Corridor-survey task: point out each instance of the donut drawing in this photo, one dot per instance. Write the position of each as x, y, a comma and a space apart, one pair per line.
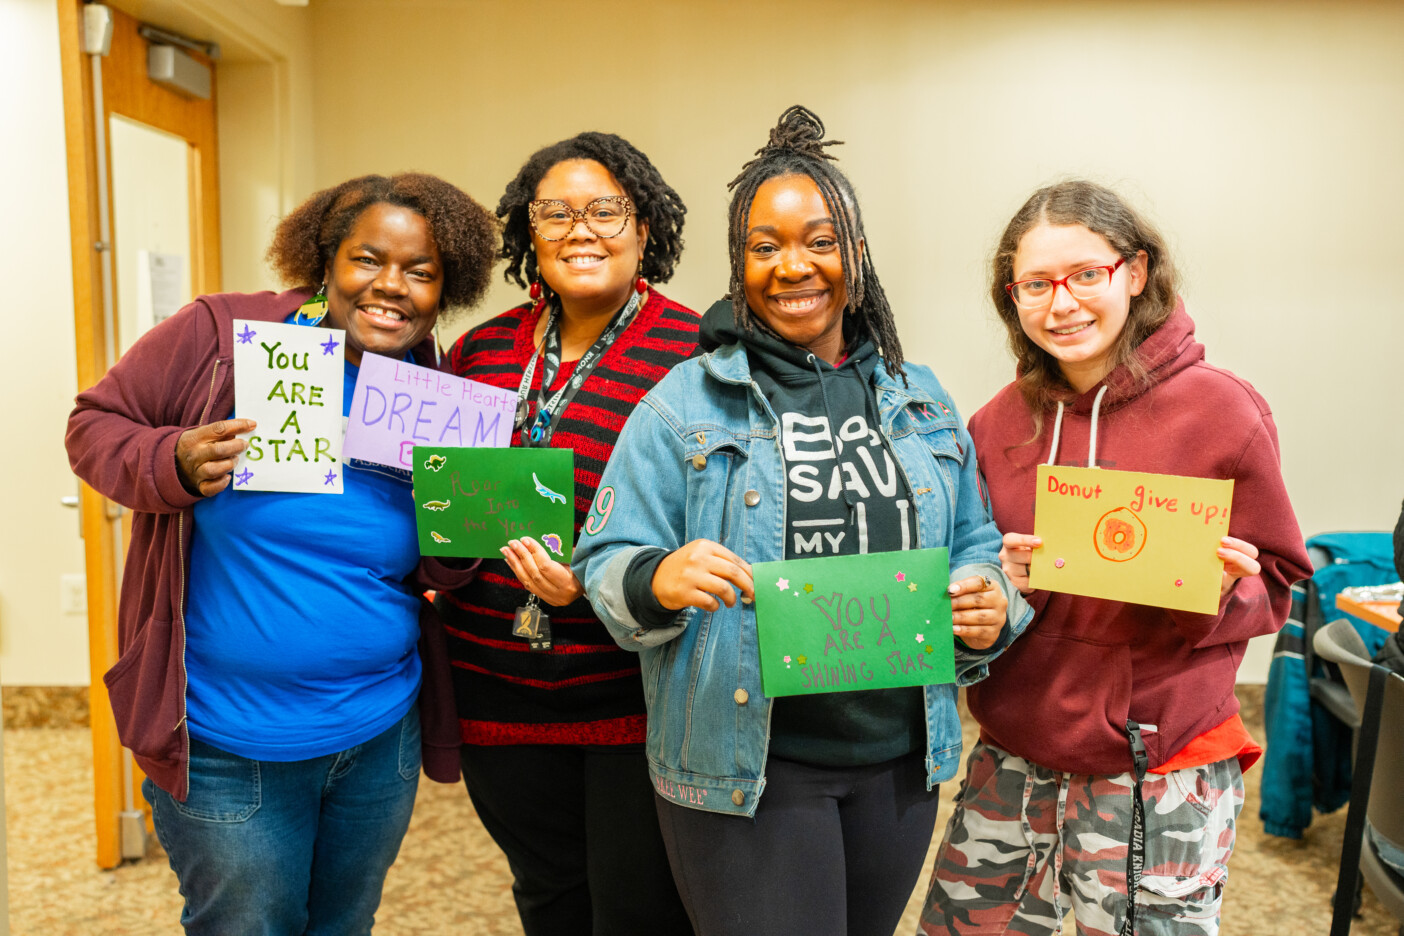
1119, 535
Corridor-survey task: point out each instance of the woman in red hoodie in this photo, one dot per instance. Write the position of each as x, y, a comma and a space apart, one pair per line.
1111, 749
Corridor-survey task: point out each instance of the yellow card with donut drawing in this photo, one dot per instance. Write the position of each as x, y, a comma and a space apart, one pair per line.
1151, 539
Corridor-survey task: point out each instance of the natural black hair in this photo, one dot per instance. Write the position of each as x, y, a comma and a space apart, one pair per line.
797, 147
655, 203
306, 241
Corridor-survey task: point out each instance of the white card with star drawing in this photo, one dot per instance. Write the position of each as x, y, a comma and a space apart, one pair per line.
288, 379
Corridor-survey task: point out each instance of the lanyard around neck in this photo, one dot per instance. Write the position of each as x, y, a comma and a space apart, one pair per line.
538, 433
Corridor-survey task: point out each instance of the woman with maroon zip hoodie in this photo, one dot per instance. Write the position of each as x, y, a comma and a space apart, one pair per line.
1111, 749
269, 683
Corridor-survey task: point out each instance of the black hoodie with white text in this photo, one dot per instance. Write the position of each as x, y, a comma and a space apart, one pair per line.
845, 495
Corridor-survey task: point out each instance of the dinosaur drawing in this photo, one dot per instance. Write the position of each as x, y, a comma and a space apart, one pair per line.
546, 492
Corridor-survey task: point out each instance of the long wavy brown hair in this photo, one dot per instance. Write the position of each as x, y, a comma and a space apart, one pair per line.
1102, 211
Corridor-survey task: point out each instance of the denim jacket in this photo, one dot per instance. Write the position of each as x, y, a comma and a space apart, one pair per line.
700, 458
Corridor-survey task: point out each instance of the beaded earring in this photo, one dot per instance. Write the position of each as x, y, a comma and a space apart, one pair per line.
537, 302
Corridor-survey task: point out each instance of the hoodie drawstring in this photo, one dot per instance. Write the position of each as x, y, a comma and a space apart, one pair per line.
1057, 434
1091, 436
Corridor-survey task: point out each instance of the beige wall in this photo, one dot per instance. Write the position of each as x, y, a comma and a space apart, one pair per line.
266, 142
38, 538
1264, 137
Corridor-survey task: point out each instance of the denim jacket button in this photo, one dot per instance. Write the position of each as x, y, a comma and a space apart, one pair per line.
752, 498
741, 696
699, 461
738, 797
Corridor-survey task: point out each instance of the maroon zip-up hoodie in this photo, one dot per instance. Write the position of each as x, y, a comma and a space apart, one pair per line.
1061, 694
121, 440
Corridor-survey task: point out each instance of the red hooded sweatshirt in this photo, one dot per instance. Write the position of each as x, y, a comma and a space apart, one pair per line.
1061, 694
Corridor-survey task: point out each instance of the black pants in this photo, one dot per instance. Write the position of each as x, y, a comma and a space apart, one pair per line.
830, 851
579, 830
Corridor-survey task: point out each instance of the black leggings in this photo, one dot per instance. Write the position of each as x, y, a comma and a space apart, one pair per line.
579, 830
830, 851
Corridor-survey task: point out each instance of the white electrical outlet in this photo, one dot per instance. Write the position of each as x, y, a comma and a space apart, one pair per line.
73, 593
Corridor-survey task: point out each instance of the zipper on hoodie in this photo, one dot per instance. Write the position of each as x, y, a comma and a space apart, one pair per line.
180, 543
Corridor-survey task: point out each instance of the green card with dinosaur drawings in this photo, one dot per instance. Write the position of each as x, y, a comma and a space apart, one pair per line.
470, 501
876, 621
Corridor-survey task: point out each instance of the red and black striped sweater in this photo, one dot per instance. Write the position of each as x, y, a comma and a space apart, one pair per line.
585, 689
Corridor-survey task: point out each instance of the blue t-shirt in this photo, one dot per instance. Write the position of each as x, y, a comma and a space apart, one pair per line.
300, 636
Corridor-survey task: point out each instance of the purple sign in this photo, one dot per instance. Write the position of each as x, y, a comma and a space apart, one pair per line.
399, 405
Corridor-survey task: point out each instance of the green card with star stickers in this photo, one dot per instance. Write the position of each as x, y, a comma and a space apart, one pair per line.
840, 623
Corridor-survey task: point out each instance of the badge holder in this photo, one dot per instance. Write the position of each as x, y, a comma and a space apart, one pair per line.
533, 624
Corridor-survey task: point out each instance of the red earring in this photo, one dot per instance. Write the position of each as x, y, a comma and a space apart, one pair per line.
641, 285
535, 292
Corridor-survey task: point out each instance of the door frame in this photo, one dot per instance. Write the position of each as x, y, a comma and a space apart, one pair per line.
105, 526
97, 514
279, 38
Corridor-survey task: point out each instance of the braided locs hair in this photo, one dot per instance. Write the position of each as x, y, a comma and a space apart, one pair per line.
797, 147
654, 201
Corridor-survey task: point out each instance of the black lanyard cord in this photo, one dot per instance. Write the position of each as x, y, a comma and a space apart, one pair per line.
538, 433
1136, 848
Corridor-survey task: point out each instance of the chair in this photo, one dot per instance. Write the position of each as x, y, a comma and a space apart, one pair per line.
1309, 713
1324, 688
1378, 696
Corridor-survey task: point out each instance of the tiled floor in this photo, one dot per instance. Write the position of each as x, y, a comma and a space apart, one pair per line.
450, 878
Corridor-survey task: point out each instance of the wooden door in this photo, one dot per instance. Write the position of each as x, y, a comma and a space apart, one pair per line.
141, 110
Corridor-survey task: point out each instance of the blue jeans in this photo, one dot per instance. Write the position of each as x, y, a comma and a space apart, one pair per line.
269, 848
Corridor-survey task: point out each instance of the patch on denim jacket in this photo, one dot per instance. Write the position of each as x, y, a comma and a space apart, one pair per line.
680, 792
600, 510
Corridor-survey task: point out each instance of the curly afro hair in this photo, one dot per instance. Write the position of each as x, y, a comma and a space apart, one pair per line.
306, 241
655, 203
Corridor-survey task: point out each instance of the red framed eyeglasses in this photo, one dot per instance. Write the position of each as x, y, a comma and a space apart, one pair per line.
1088, 283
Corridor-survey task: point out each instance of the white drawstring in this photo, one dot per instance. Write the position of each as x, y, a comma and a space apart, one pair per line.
1091, 437
1057, 431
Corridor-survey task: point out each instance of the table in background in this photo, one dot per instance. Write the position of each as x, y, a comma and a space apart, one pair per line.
1379, 613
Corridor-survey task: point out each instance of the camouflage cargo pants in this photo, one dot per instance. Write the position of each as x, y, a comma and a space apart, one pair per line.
1026, 844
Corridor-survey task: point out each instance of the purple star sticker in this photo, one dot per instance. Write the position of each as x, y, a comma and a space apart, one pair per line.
330, 478
247, 335
242, 477
329, 346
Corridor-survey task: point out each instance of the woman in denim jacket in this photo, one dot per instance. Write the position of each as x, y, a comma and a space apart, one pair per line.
792, 436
